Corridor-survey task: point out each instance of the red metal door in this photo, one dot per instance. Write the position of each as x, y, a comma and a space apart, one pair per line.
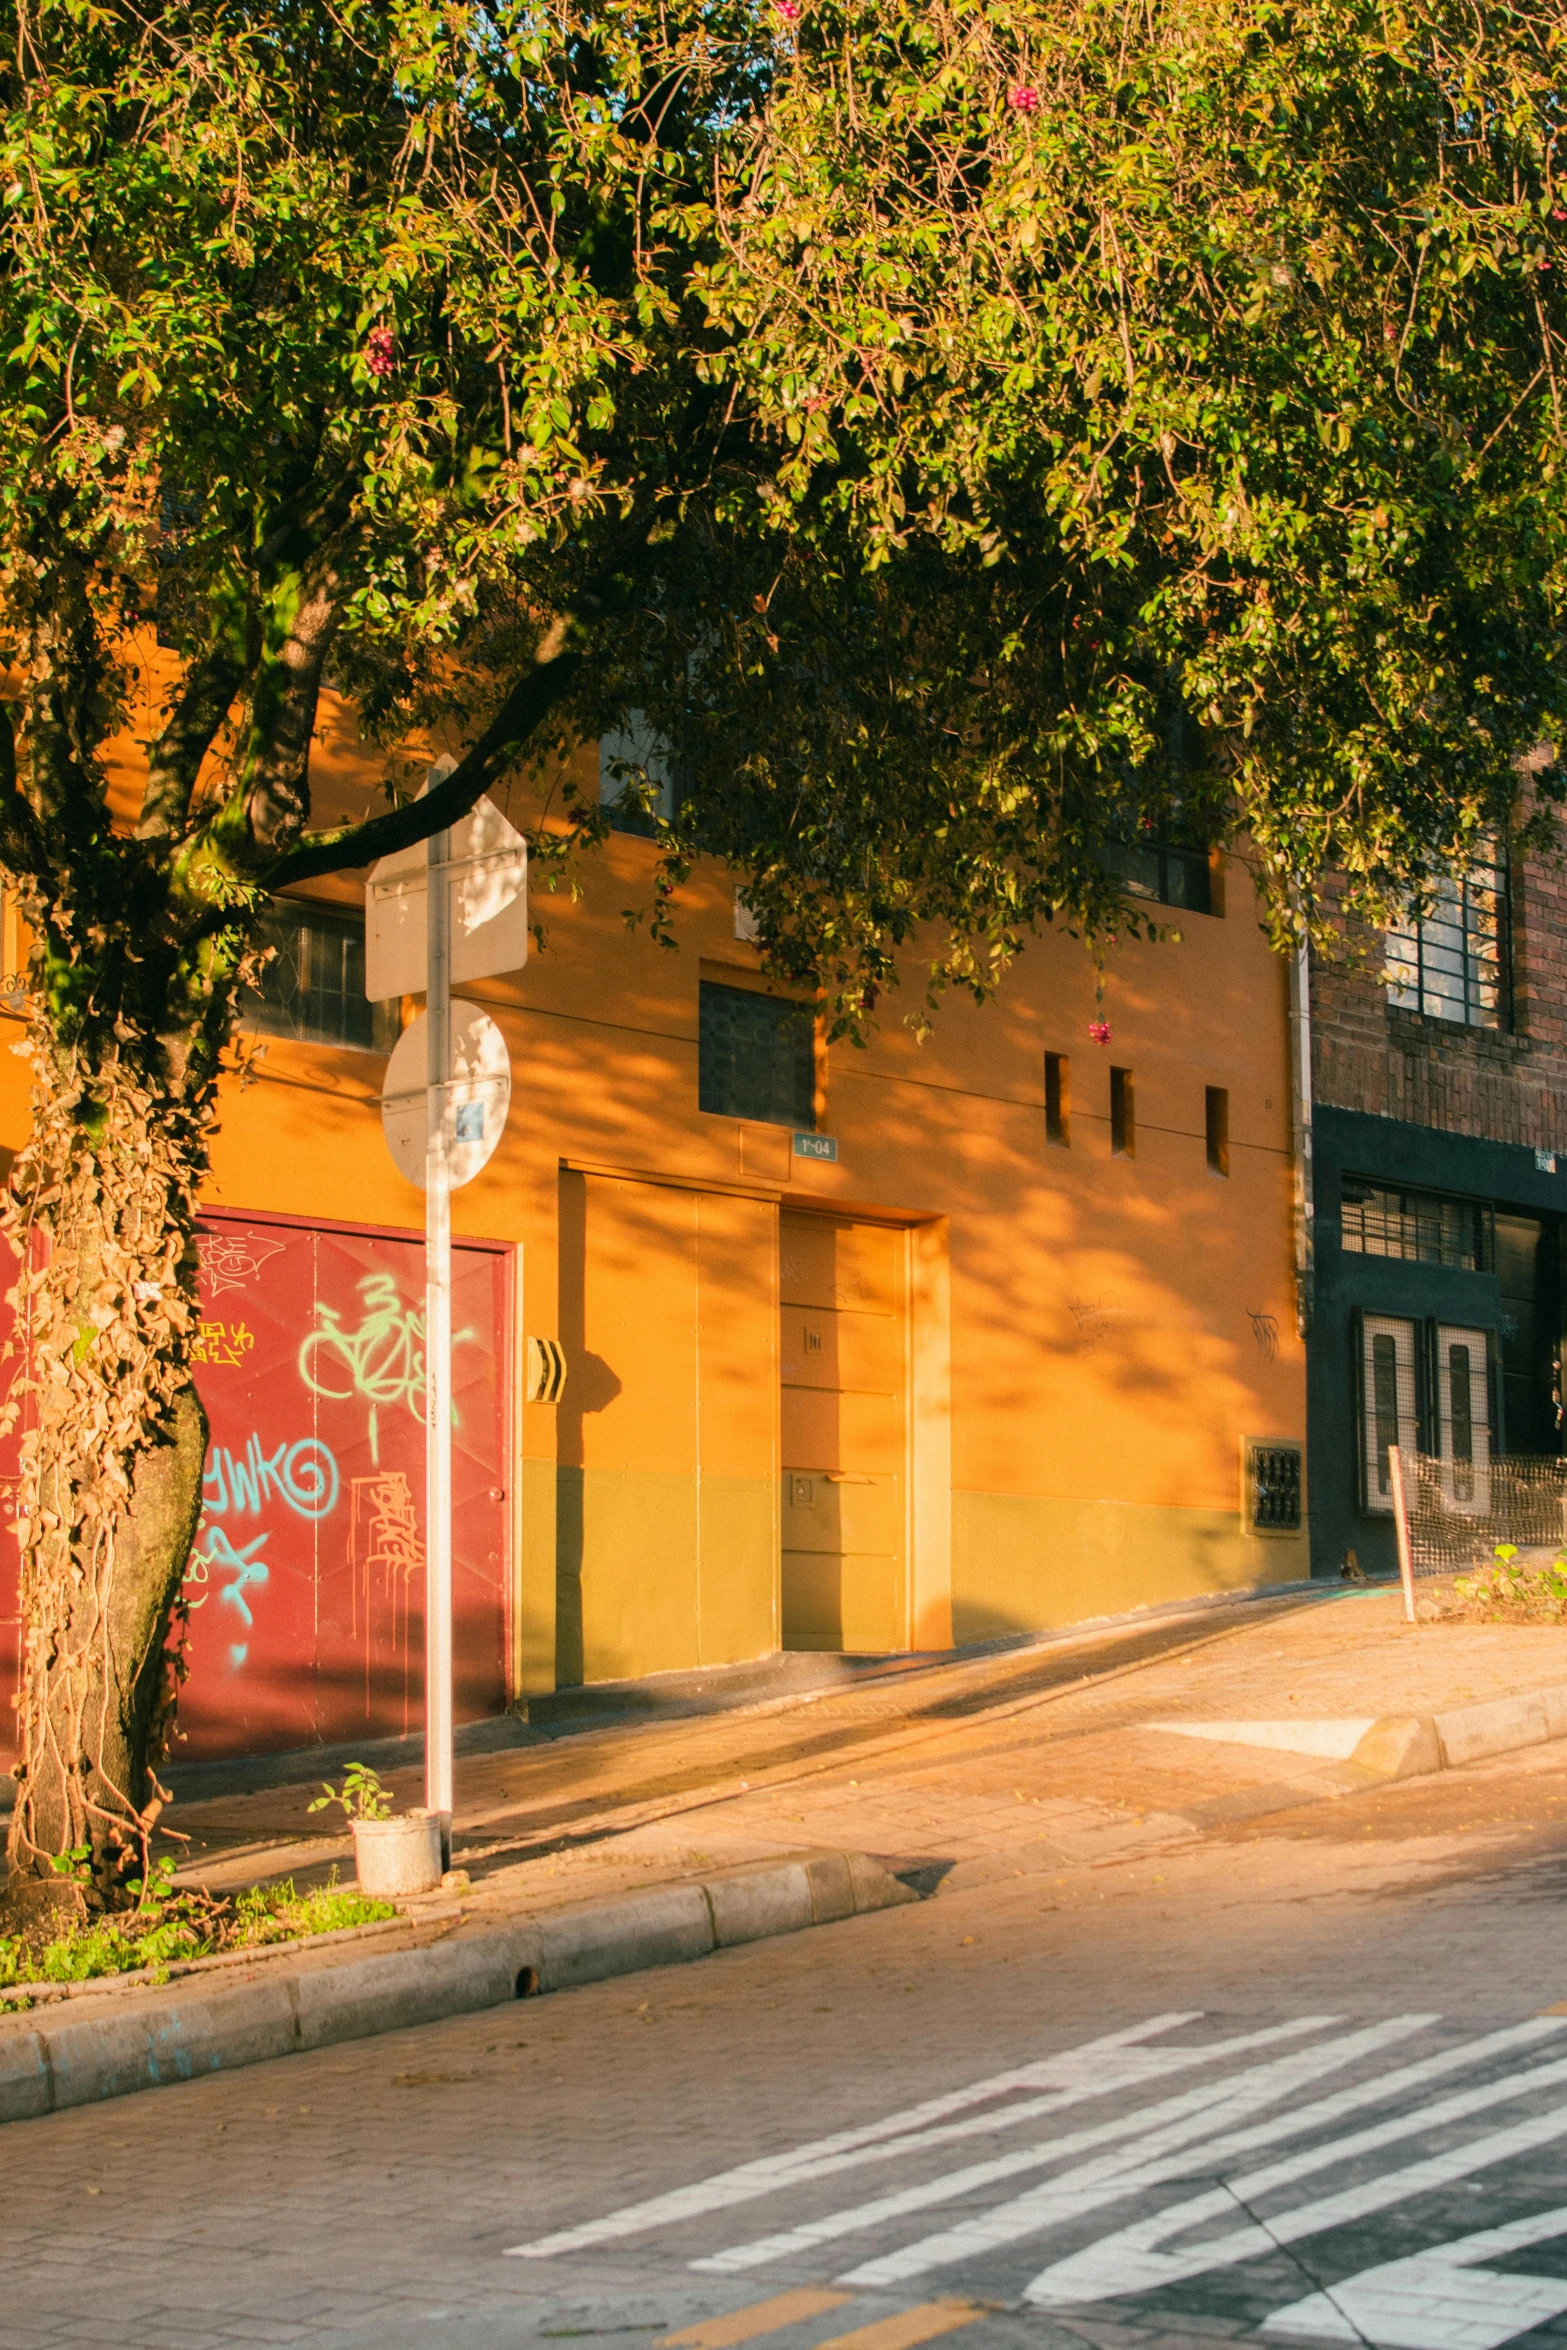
306, 1581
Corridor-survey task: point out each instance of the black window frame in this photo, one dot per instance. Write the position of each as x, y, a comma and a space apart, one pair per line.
636, 747
280, 1007
730, 1081
1429, 1224
1164, 871
1432, 951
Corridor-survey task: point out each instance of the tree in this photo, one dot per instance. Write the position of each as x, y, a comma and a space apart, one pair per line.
969, 438
1223, 351
351, 332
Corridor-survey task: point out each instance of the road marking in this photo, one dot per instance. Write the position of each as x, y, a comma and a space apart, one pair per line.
1090, 2070
1195, 2110
901, 2332
1130, 2261
1114, 2177
1437, 2300
762, 2317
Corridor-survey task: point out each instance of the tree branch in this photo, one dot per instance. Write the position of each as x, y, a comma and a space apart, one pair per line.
177, 754
498, 749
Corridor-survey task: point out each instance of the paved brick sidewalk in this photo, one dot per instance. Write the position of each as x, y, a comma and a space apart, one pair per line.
1041, 1759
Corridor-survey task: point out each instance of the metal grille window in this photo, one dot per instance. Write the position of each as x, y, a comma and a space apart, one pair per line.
314, 987
1453, 963
1273, 1488
1165, 871
1421, 1226
756, 1057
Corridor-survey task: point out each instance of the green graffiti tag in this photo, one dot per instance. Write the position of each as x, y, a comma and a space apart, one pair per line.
381, 1361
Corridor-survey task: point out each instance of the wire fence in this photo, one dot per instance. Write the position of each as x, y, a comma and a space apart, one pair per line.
1454, 1514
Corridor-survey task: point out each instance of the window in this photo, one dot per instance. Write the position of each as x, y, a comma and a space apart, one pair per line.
1421, 1226
756, 1057
1163, 870
1453, 963
1058, 1099
1463, 1415
1425, 1386
1123, 1114
1389, 1404
1216, 1111
625, 760
314, 986
1273, 1488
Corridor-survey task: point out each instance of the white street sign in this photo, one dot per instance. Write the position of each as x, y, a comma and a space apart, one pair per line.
487, 892
478, 1094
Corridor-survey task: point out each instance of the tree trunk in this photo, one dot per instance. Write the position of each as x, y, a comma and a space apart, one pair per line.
102, 1215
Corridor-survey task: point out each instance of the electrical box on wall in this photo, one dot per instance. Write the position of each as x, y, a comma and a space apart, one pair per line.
1273, 1485
546, 1370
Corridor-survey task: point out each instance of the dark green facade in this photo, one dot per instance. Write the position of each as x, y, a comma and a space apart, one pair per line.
1516, 1300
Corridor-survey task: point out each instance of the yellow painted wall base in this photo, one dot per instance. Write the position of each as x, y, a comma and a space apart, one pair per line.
533, 1628
1025, 1563
663, 1573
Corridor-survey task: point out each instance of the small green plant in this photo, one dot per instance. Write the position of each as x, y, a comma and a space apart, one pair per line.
1509, 1591
361, 1795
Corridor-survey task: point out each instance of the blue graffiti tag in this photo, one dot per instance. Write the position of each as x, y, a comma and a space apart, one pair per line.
222, 1557
304, 1475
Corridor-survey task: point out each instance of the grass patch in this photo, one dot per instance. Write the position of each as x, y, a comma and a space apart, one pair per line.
172, 1927
276, 1913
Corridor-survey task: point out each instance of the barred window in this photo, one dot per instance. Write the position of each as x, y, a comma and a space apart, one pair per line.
1453, 963
1421, 1226
756, 1057
314, 987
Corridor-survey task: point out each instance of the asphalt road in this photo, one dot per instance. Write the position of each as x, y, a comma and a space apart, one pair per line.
1297, 2083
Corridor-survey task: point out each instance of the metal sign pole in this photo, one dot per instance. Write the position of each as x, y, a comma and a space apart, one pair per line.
438, 1352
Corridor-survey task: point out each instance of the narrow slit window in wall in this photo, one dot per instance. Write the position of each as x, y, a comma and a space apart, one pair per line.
1058, 1099
1123, 1114
1217, 1115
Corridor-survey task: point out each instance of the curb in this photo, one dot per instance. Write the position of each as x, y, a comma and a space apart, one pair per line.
52, 2062
1402, 1746
1469, 1733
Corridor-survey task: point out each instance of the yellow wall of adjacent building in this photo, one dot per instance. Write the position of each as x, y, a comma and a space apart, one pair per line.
1091, 1337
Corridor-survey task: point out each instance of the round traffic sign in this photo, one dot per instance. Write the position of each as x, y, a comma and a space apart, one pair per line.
478, 1096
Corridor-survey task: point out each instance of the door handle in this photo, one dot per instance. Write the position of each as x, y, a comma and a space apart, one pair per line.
841, 1477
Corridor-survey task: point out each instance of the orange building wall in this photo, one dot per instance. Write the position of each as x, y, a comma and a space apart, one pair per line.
1093, 1337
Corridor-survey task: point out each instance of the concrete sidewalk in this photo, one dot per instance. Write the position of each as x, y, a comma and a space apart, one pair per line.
581, 1857
1054, 1755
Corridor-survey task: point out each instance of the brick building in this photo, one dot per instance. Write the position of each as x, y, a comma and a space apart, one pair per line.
1433, 1257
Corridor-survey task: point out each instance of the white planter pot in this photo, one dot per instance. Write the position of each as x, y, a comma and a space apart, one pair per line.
393, 1858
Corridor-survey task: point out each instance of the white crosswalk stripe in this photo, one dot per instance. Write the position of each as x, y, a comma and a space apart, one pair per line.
1262, 2092
1183, 2117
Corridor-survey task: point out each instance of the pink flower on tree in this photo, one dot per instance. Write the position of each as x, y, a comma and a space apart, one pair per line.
1099, 1030
380, 349
1023, 98
789, 10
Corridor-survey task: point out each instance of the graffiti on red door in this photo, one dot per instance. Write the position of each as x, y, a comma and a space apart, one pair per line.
305, 1586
